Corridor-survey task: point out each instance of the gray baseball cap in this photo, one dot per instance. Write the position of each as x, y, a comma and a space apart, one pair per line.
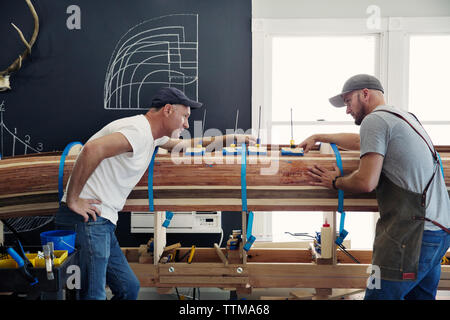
358, 82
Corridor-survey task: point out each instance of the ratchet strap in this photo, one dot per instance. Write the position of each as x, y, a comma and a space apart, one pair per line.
151, 203
342, 232
62, 160
250, 237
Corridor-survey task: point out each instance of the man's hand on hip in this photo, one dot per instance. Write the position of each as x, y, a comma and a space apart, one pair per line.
85, 208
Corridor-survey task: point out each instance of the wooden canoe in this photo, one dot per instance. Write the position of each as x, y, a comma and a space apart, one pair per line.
29, 185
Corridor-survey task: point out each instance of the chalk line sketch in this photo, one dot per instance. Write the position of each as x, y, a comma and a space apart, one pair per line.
159, 52
12, 145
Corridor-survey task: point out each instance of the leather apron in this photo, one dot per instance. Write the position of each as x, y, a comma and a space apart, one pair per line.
398, 234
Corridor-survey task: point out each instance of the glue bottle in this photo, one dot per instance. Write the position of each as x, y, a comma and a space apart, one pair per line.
326, 241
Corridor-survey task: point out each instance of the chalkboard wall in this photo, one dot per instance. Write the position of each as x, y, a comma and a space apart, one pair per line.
97, 61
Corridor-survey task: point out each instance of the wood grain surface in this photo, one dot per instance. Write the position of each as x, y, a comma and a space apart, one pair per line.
29, 185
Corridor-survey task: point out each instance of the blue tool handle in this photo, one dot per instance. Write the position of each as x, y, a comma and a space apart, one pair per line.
15, 256
20, 262
31, 280
22, 254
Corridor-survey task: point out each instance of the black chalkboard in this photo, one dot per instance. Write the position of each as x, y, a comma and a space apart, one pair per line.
59, 94
97, 61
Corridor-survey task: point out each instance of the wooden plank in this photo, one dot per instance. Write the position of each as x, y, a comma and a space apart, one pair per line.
274, 255
220, 254
29, 185
201, 269
301, 295
444, 285
201, 280
263, 275
279, 255
146, 273
242, 252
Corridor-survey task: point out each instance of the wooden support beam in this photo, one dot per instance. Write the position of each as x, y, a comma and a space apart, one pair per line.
159, 235
261, 274
220, 254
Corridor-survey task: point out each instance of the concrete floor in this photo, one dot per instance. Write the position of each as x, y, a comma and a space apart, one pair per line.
257, 294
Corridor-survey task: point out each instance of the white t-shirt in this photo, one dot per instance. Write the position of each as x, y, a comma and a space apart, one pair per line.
115, 177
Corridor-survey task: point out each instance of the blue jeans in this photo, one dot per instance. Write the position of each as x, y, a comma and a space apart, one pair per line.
101, 259
434, 246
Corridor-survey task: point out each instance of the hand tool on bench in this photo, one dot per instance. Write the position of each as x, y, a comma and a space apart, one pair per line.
292, 150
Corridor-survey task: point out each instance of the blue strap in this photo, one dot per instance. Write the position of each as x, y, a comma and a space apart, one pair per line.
249, 224
339, 164
62, 160
243, 180
151, 204
150, 182
250, 237
442, 167
342, 232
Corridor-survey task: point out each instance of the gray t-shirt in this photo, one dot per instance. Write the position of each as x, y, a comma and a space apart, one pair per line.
408, 162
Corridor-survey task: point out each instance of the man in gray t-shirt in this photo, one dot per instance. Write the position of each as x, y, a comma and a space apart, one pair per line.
407, 161
399, 160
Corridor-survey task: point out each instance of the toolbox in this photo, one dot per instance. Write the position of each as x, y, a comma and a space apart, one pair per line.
37, 262
11, 280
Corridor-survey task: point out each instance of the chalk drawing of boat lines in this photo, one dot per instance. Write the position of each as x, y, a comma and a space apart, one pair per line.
159, 52
11, 144
17, 147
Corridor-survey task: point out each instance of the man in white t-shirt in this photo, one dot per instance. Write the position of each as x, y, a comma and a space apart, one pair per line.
107, 169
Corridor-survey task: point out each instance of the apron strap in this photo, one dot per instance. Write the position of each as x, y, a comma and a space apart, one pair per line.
433, 222
433, 150
436, 157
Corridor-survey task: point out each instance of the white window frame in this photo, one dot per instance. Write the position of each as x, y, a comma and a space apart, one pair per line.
392, 67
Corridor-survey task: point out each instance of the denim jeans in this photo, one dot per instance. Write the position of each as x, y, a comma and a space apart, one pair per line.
101, 259
434, 246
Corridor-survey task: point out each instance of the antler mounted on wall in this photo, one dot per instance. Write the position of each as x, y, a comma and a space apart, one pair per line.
17, 64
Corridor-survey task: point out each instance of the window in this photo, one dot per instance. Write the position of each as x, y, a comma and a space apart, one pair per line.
306, 71
300, 63
429, 69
